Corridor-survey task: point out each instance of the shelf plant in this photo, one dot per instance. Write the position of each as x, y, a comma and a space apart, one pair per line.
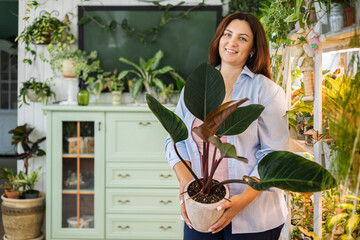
146, 73
203, 95
78, 63
41, 90
46, 30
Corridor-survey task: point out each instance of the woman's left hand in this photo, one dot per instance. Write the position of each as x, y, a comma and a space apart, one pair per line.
236, 204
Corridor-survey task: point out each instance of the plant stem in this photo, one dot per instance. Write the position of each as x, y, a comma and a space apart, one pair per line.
187, 166
208, 184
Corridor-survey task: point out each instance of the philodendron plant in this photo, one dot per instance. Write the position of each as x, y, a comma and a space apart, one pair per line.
203, 96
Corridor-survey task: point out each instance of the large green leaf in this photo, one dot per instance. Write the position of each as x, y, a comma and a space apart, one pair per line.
204, 91
240, 120
292, 172
216, 118
158, 56
137, 87
163, 70
124, 60
170, 121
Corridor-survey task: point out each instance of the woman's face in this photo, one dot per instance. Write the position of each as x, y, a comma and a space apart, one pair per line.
236, 43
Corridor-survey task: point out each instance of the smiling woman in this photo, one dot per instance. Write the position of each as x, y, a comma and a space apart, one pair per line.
239, 51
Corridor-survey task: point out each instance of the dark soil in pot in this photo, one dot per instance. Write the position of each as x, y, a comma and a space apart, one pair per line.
216, 194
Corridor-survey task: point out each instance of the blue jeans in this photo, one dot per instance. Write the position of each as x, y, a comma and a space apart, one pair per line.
225, 234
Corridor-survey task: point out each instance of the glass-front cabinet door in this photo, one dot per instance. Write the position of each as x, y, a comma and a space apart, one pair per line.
78, 175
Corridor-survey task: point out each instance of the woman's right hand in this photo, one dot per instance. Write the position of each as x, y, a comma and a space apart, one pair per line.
183, 209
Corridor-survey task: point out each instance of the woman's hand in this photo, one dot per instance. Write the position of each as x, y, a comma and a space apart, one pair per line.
183, 210
236, 204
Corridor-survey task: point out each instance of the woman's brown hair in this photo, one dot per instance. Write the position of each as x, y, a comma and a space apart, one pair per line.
260, 61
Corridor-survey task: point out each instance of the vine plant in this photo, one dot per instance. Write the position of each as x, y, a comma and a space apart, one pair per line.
151, 34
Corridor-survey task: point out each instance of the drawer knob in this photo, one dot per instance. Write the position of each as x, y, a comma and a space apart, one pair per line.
165, 203
165, 228
165, 176
123, 176
144, 123
123, 228
123, 202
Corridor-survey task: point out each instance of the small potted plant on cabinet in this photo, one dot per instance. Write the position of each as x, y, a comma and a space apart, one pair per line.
35, 91
115, 84
23, 218
73, 63
277, 169
146, 73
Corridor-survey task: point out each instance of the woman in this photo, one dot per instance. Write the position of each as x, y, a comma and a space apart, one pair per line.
240, 52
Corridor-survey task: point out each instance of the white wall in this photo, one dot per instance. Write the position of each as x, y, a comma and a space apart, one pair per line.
32, 114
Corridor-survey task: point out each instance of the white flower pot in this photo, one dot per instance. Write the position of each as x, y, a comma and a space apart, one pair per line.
201, 215
116, 97
68, 68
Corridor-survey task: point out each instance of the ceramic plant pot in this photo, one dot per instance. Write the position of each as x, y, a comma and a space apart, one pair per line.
32, 96
23, 218
201, 215
68, 68
116, 97
12, 195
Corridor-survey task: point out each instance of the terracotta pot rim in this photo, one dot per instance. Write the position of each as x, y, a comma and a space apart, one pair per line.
41, 197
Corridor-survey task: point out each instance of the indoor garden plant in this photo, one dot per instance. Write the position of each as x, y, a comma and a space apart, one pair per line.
23, 218
280, 169
73, 63
146, 73
12, 189
35, 91
115, 84
46, 30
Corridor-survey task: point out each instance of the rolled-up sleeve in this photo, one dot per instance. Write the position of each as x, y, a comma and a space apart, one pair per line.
170, 153
273, 131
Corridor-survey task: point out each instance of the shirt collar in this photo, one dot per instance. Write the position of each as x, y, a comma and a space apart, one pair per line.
245, 70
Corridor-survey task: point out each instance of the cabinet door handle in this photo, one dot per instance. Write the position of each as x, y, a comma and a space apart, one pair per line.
165, 203
123, 202
123, 228
144, 123
99, 128
165, 228
165, 176
123, 176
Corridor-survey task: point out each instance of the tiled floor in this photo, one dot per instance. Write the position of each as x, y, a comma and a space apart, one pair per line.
8, 162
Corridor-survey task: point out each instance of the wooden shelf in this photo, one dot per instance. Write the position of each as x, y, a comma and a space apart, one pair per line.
335, 41
82, 155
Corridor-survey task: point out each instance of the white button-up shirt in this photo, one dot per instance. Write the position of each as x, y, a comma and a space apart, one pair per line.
268, 133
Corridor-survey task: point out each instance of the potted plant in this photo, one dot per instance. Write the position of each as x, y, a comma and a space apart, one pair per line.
46, 30
146, 73
277, 169
28, 181
12, 189
23, 218
35, 91
73, 63
115, 85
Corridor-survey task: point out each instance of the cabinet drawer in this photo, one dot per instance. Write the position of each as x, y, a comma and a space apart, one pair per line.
142, 175
138, 226
134, 137
123, 200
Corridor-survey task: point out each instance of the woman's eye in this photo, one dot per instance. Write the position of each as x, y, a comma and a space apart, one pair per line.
242, 39
227, 34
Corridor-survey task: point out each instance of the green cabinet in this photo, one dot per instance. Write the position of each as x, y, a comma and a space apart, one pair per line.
107, 177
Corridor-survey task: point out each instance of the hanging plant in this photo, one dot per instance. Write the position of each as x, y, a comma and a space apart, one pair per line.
46, 30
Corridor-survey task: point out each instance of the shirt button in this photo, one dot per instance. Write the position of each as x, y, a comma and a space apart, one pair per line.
197, 173
196, 154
